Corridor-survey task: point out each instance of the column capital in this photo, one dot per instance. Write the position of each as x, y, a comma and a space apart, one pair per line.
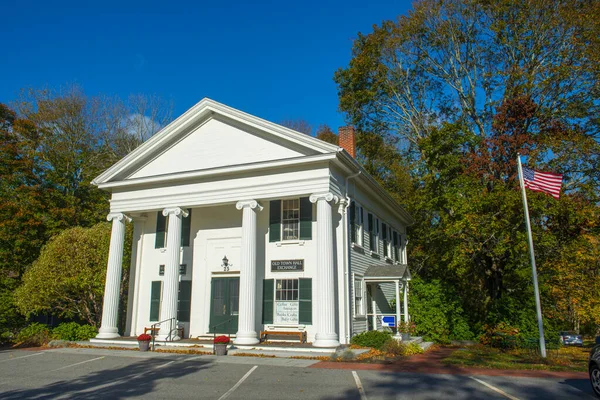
118, 216
328, 196
248, 203
175, 211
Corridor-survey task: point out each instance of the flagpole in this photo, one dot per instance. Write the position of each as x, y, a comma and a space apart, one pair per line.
533, 269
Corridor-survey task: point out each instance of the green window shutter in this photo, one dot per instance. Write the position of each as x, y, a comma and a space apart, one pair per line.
384, 231
268, 294
305, 297
305, 219
370, 219
184, 301
352, 222
155, 300
186, 227
161, 222
275, 221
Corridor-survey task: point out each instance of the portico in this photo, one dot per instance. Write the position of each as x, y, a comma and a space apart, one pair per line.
210, 237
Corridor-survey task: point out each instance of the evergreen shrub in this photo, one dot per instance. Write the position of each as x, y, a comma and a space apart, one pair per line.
374, 339
72, 331
35, 334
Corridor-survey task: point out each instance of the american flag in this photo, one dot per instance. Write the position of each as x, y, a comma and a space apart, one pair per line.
546, 182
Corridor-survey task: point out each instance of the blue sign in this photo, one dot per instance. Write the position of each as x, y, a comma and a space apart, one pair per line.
389, 321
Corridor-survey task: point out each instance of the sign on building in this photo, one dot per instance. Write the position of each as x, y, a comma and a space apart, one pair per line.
287, 265
286, 312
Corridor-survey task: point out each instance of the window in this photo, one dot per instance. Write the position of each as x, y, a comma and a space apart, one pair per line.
155, 300
396, 247
161, 270
373, 228
358, 296
356, 221
286, 290
162, 227
384, 237
290, 219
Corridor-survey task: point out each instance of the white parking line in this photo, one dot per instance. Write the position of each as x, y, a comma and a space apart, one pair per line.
228, 393
79, 363
361, 390
16, 358
495, 389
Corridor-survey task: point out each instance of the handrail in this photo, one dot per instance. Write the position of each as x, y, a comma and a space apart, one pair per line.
215, 332
153, 328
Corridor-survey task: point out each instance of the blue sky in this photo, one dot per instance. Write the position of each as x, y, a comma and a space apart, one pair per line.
274, 60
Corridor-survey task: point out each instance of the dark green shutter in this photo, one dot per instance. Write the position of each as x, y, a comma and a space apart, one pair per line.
352, 222
155, 300
267, 310
275, 221
384, 231
305, 219
186, 227
184, 301
161, 222
305, 297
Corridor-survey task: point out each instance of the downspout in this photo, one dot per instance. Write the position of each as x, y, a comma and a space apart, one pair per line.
347, 258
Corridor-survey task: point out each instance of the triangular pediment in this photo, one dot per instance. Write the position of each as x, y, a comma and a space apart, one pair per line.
215, 144
210, 136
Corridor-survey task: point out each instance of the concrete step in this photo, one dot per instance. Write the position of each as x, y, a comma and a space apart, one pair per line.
414, 339
425, 345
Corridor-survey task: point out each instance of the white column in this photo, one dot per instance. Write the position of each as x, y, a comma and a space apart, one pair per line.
397, 283
405, 301
110, 307
325, 304
246, 334
137, 248
170, 292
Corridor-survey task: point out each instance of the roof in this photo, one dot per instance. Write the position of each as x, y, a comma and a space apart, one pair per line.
316, 151
388, 271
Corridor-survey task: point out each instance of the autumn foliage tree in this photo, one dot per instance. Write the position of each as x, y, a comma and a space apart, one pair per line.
444, 100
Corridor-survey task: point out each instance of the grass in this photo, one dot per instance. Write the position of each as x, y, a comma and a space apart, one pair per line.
563, 359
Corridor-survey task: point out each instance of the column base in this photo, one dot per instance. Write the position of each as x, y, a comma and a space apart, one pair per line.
326, 340
246, 338
108, 333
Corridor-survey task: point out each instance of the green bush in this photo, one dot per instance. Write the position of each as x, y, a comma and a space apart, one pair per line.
72, 331
35, 334
86, 332
374, 339
394, 347
436, 310
66, 331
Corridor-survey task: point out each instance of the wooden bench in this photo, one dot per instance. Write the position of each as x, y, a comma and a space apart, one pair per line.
155, 330
298, 334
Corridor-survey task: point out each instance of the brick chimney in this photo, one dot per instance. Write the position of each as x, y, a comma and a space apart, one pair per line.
347, 139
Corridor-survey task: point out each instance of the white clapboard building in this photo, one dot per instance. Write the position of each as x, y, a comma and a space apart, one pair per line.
242, 226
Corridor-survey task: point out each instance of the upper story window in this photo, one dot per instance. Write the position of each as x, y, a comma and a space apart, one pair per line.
356, 221
384, 237
396, 247
373, 233
290, 219
162, 226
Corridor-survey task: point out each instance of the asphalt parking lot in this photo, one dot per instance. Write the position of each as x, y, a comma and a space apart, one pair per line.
104, 374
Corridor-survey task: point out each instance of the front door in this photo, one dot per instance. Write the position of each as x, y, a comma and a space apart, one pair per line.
224, 305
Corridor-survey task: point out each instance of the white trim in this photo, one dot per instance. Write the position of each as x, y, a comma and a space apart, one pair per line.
198, 114
191, 175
